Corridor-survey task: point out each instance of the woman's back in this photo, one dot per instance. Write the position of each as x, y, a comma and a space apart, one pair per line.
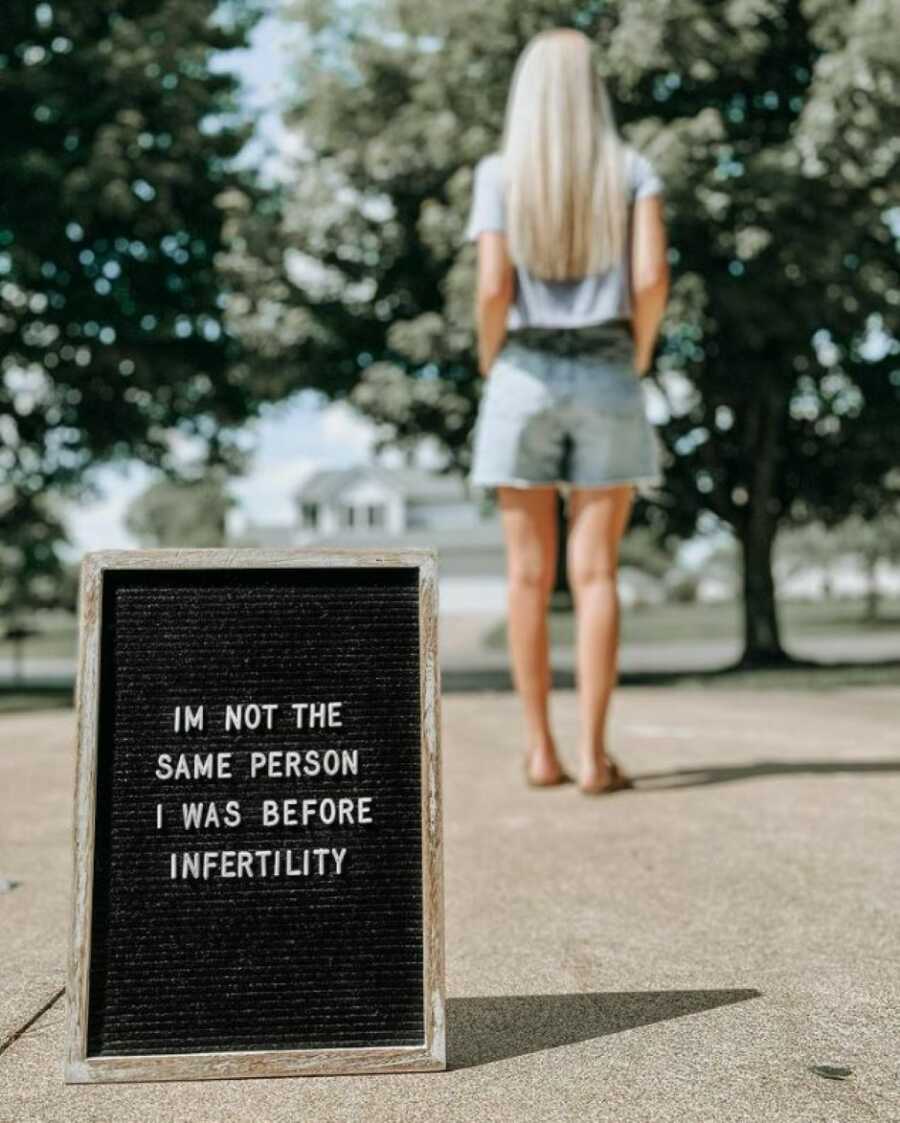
593, 299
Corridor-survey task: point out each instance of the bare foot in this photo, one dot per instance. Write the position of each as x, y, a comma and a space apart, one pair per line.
542, 767
601, 774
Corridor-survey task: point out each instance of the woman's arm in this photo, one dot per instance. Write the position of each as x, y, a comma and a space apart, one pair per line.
494, 293
649, 277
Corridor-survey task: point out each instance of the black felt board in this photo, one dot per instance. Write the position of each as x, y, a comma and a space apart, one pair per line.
180, 966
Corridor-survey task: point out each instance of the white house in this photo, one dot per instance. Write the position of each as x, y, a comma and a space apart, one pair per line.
375, 505
376, 501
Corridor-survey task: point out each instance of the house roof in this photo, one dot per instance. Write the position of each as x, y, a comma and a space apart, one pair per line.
327, 484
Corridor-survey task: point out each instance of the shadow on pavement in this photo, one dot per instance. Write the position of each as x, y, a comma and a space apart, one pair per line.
483, 1030
727, 774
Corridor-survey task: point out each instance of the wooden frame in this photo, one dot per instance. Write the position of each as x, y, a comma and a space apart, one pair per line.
431, 1055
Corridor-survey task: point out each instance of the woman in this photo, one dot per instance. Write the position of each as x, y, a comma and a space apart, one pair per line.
572, 285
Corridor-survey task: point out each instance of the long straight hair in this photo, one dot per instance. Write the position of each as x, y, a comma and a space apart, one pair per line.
563, 162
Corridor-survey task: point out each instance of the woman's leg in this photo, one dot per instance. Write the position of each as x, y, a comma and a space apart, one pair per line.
528, 515
597, 520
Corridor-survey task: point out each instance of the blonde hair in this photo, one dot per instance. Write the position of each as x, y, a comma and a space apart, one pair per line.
563, 162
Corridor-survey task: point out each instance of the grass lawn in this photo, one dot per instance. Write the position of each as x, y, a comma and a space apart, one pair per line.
666, 623
58, 640
15, 700
797, 676
662, 623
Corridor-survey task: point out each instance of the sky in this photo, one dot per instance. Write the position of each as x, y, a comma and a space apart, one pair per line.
294, 438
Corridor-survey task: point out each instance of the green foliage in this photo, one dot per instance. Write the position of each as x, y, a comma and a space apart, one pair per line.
181, 513
119, 189
32, 573
116, 164
787, 264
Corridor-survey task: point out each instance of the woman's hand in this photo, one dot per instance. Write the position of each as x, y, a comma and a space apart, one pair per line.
642, 363
494, 293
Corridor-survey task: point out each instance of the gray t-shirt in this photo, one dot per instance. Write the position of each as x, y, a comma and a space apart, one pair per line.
593, 299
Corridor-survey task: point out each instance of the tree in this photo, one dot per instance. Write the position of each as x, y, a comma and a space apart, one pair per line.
873, 542
181, 513
118, 165
774, 127
815, 546
786, 267
32, 573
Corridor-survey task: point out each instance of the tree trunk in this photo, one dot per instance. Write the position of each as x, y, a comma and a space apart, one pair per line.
762, 637
873, 599
18, 647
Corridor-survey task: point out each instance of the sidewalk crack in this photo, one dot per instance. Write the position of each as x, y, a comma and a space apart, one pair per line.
17, 1033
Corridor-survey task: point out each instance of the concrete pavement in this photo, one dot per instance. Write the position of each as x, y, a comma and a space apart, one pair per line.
683, 952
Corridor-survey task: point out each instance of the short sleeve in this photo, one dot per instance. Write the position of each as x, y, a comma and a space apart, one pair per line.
488, 205
643, 177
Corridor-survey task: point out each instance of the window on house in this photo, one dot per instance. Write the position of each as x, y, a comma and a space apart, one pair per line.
348, 514
309, 515
375, 514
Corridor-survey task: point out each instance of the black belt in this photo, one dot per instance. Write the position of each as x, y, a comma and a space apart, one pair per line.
590, 339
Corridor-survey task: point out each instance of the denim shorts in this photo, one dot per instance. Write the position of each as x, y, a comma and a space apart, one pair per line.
566, 407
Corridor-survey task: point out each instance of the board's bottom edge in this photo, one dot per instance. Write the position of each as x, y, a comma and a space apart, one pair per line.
187, 1067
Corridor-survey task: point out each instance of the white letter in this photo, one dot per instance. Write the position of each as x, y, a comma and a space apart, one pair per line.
190, 813
193, 719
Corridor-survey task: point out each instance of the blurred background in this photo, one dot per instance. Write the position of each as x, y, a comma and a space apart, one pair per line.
236, 309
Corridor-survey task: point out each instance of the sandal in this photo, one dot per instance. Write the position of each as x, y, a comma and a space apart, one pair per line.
616, 781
